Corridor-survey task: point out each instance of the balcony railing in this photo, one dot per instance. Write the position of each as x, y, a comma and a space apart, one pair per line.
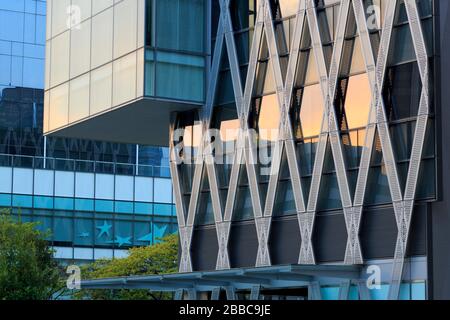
20, 161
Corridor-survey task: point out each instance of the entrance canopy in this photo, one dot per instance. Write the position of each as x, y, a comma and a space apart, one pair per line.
288, 276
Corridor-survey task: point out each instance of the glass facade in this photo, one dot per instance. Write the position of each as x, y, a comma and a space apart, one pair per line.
108, 55
324, 134
332, 138
175, 55
56, 181
90, 214
352, 103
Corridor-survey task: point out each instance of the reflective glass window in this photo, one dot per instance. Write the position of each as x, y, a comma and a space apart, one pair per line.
64, 203
63, 231
143, 208
266, 117
43, 202
5, 200
356, 101
180, 24
162, 209
330, 293
149, 73
380, 293
84, 204
84, 232
123, 207
123, 233
142, 234
285, 202
308, 112
205, 213
418, 291
180, 76
104, 206
402, 91
243, 13
104, 231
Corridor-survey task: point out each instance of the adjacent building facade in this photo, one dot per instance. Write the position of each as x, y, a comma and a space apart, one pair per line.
96, 198
302, 133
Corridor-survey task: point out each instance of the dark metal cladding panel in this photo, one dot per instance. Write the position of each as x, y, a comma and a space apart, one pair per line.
285, 241
418, 235
243, 245
378, 237
204, 249
378, 233
329, 237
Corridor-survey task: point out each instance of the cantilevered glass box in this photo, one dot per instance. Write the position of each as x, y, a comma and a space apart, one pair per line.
117, 69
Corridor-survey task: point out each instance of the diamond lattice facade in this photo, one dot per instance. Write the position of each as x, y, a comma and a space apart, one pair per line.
341, 90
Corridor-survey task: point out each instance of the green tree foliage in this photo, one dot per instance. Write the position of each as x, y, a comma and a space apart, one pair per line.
27, 270
160, 258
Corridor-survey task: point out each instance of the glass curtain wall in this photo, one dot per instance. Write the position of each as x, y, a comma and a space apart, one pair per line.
352, 101
37, 174
175, 49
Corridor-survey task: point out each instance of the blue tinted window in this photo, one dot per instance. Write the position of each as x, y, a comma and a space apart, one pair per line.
330, 293
84, 204
44, 225
11, 25
104, 206
180, 24
160, 230
64, 203
162, 209
43, 202
142, 234
180, 76
22, 201
5, 200
124, 207
418, 291
84, 232
63, 230
353, 293
123, 234
104, 232
5, 67
405, 291
380, 294
143, 208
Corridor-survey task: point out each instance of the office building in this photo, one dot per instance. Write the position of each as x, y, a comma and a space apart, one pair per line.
307, 137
